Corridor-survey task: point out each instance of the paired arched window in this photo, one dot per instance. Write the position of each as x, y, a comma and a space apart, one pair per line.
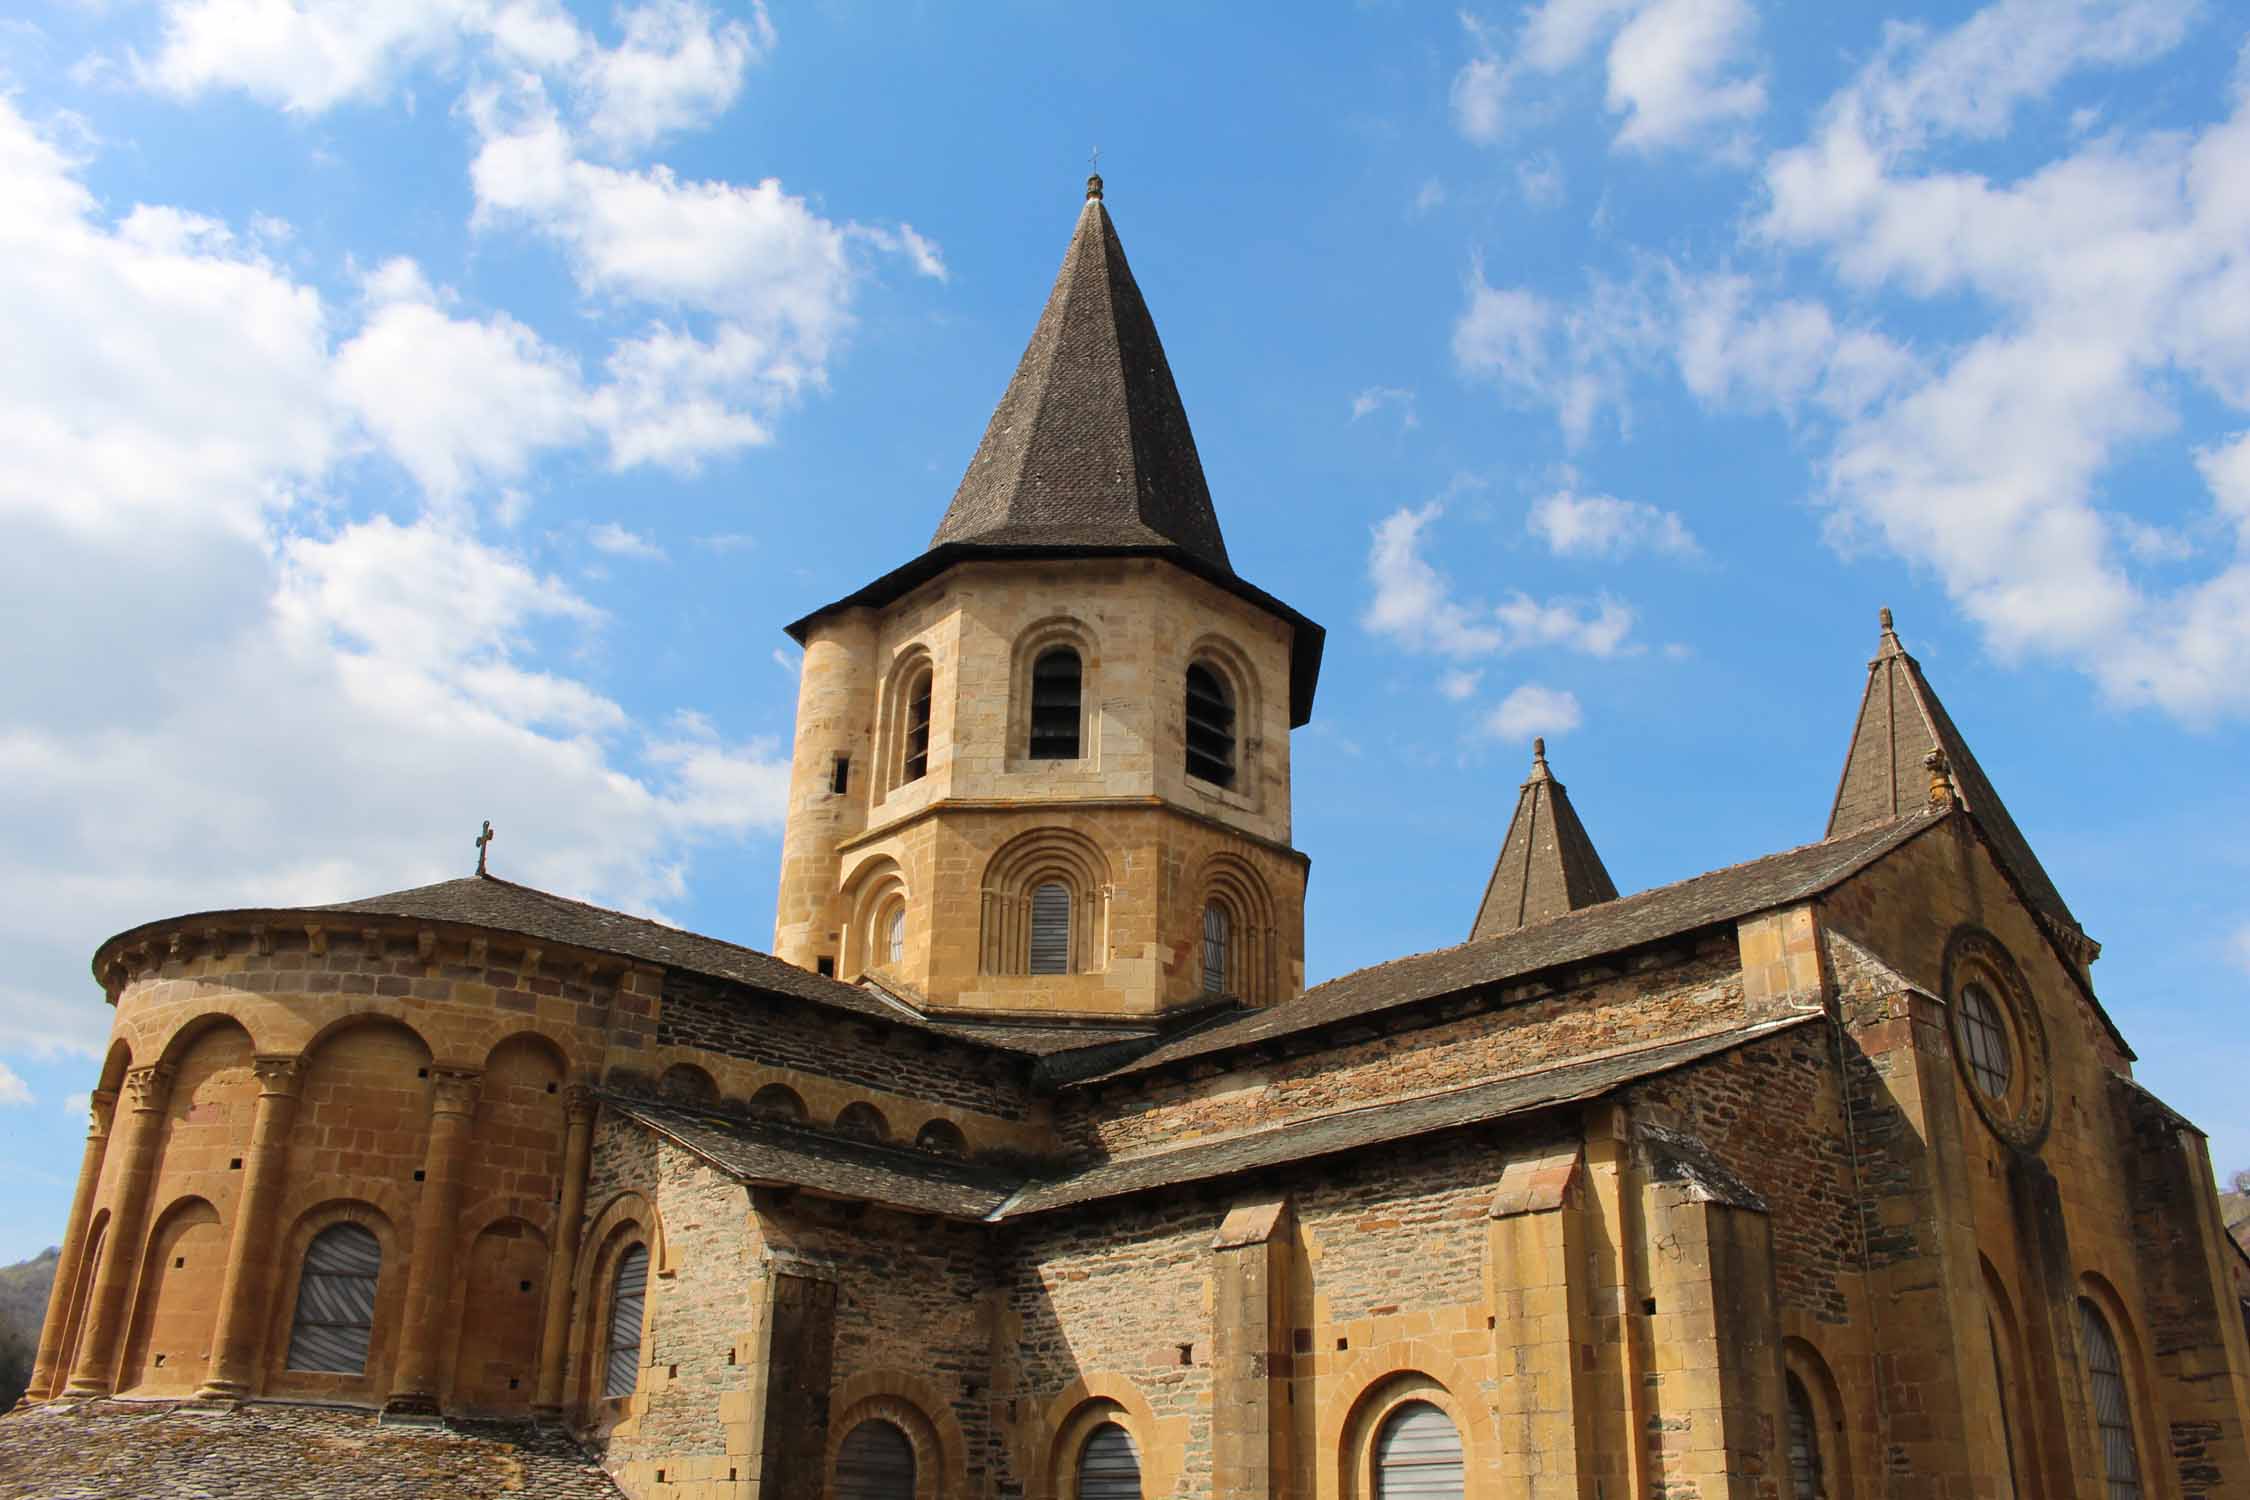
1109, 1466
1804, 1441
875, 1463
628, 1303
1210, 726
1217, 933
1055, 690
335, 1319
914, 737
1050, 928
2113, 1412
1418, 1455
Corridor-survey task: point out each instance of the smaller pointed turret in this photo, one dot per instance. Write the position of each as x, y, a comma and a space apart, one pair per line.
1547, 864
1906, 755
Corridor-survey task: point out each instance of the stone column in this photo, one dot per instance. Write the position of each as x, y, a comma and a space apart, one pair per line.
243, 1292
1251, 1360
429, 1275
44, 1376
792, 1359
562, 1256
147, 1090
1538, 1267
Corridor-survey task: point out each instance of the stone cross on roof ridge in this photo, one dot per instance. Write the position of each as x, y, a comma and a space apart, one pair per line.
1090, 445
1547, 864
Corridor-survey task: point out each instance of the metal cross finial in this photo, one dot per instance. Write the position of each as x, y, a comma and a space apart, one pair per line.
483, 839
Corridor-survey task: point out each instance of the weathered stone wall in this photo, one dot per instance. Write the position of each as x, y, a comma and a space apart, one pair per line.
1680, 999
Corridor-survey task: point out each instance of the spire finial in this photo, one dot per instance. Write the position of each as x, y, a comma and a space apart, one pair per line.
483, 839
1539, 750
1094, 177
1884, 615
1941, 778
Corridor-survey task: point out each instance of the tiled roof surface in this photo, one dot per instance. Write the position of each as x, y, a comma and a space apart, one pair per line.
1547, 864
1612, 927
1379, 1124
770, 1153
168, 1450
1090, 445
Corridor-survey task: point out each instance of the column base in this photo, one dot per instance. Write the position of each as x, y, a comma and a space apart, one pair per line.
85, 1390
411, 1409
222, 1390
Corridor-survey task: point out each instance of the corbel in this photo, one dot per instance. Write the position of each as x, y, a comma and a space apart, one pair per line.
217, 941
531, 956
316, 939
371, 941
425, 945
261, 940
176, 950
479, 952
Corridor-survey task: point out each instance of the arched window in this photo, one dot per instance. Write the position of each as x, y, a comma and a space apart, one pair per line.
894, 936
914, 743
1109, 1466
1050, 928
1804, 1441
778, 1101
336, 1301
1418, 1455
628, 1300
1210, 727
875, 1463
942, 1138
1987, 1039
863, 1121
1054, 705
1215, 935
2113, 1413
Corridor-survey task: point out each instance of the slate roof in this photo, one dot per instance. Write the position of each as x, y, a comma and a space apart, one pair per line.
769, 1153
488, 901
1611, 927
1089, 454
1900, 722
1547, 864
166, 1450
1394, 1120
1090, 446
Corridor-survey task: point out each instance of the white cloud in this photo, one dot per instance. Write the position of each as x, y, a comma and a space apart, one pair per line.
615, 540
77, 1106
2105, 280
297, 705
13, 1090
1678, 71
2238, 947
1574, 358
1375, 397
1459, 684
1431, 194
1413, 604
1540, 180
1533, 709
727, 541
674, 68
1604, 526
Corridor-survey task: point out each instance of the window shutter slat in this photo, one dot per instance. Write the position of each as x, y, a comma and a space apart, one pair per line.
628, 1303
1050, 929
335, 1319
875, 1463
1418, 1455
1109, 1467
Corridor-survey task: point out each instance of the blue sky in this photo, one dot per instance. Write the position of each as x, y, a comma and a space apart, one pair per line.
430, 412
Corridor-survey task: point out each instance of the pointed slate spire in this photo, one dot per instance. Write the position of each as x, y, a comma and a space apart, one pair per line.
1904, 746
1090, 446
1547, 864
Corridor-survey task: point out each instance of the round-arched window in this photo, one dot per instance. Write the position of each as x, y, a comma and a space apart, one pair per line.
1804, 1440
875, 1463
1050, 928
1217, 930
863, 1120
1418, 1455
628, 1301
942, 1138
335, 1319
778, 1101
894, 936
1109, 1466
2113, 1410
1210, 727
1055, 679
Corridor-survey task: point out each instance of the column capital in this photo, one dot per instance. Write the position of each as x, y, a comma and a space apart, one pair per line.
453, 1091
147, 1087
278, 1073
578, 1102
101, 1108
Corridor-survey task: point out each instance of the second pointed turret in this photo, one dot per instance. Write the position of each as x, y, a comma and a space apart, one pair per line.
1547, 863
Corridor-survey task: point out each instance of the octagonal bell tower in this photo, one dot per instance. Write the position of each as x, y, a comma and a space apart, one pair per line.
1043, 768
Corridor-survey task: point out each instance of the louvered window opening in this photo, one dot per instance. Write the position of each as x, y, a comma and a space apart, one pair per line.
1804, 1442
1054, 705
627, 1304
2113, 1414
1986, 1038
1215, 934
875, 1463
335, 1319
915, 764
1210, 728
1050, 928
895, 935
1109, 1466
1418, 1455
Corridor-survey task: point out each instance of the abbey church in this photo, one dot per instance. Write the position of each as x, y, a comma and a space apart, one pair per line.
1027, 1167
